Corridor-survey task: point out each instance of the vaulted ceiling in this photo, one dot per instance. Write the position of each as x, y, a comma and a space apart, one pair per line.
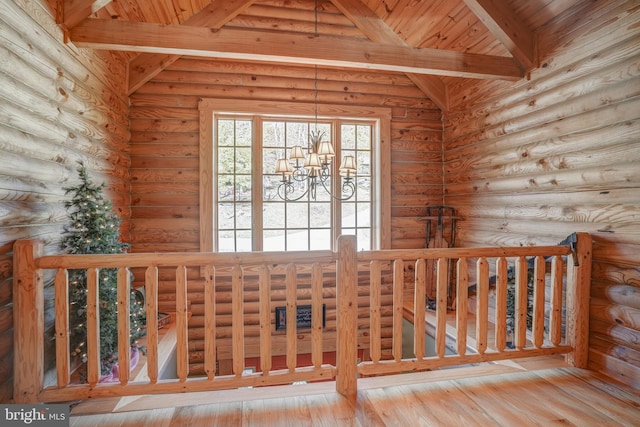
433, 42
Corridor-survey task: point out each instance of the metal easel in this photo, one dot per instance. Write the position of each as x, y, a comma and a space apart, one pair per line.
441, 226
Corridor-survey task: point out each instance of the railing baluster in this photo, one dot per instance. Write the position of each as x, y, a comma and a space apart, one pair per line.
93, 326
182, 344
237, 320
316, 315
398, 289
374, 309
265, 320
462, 305
482, 313
124, 325
501, 304
521, 300
151, 301
291, 296
442, 268
62, 325
555, 317
419, 301
210, 321
538, 302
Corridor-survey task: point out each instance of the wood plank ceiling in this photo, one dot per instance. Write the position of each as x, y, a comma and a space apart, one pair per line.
433, 42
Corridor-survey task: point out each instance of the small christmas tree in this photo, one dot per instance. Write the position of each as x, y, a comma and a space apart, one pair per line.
94, 229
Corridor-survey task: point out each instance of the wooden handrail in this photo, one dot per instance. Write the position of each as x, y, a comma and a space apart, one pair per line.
169, 259
387, 282
436, 253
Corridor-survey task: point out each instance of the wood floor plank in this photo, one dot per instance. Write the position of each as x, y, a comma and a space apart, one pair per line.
253, 411
391, 408
155, 418
611, 387
329, 410
499, 396
148, 419
617, 410
84, 421
522, 393
448, 405
212, 415
366, 412
568, 408
292, 411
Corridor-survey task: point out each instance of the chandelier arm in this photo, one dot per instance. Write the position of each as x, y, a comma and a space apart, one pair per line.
287, 188
325, 174
347, 185
300, 174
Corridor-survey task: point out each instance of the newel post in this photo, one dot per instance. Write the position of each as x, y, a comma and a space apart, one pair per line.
578, 293
28, 322
347, 316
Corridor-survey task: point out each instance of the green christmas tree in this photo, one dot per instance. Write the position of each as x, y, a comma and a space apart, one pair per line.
93, 228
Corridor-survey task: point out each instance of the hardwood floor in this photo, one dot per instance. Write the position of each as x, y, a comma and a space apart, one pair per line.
527, 393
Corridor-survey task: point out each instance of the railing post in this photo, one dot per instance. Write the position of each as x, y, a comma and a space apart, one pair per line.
578, 292
347, 316
28, 322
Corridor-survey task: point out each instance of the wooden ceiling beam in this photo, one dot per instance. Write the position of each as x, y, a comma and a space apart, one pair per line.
76, 11
378, 31
278, 46
146, 66
507, 28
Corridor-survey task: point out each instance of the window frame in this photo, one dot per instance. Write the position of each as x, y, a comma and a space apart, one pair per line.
209, 108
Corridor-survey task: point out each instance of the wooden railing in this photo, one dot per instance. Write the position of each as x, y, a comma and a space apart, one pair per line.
559, 326
347, 265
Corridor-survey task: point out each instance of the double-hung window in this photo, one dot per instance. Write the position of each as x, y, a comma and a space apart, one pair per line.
241, 204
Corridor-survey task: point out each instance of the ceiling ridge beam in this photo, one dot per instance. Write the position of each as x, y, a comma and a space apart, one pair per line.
215, 15
288, 47
378, 31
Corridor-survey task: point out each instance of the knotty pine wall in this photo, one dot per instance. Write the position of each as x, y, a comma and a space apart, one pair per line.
164, 158
58, 105
164, 137
531, 162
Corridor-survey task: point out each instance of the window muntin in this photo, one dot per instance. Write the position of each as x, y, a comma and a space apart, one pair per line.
304, 224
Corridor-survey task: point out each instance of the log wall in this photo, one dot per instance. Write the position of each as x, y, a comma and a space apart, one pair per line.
164, 132
58, 105
531, 162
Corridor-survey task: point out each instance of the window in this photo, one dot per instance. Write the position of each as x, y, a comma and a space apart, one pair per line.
234, 200
240, 207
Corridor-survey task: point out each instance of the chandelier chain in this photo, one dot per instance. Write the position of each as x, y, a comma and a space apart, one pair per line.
315, 66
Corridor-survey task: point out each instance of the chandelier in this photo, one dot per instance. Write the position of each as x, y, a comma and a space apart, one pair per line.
302, 173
